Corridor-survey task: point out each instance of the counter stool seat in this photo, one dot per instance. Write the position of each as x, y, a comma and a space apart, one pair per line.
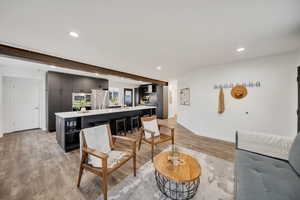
134, 123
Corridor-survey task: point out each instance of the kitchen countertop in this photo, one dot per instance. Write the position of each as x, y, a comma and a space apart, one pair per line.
101, 112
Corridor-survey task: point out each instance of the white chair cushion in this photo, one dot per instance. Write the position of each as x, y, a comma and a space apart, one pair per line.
114, 157
151, 126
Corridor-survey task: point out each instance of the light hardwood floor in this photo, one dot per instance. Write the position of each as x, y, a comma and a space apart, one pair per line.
33, 166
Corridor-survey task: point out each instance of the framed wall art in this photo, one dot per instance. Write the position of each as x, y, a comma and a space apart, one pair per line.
185, 96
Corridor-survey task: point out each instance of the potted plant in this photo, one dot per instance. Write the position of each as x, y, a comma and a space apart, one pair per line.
81, 106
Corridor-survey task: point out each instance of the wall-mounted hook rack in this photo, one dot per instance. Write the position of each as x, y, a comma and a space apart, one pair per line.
249, 84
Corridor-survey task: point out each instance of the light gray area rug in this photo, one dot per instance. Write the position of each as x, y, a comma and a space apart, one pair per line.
216, 181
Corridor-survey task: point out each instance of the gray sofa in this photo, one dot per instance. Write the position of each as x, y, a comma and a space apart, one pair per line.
267, 167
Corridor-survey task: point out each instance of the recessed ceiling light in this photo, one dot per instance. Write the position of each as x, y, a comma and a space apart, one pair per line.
74, 34
158, 68
240, 49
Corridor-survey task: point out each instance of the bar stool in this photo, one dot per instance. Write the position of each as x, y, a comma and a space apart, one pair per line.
121, 126
134, 123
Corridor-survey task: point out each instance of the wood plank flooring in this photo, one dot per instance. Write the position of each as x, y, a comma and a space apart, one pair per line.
33, 166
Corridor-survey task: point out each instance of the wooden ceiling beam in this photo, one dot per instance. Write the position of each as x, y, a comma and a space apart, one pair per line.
69, 64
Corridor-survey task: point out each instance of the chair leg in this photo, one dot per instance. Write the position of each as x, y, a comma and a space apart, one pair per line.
79, 176
140, 142
152, 151
134, 165
173, 140
114, 140
104, 186
124, 127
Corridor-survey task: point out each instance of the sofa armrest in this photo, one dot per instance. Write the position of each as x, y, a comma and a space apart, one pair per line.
266, 144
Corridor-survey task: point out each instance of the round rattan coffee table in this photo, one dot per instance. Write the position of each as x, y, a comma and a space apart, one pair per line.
180, 181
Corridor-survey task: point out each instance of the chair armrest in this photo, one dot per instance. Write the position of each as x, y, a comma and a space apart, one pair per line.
265, 144
133, 141
93, 152
124, 138
166, 126
169, 127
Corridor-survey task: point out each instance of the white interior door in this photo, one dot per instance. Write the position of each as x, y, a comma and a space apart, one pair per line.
21, 103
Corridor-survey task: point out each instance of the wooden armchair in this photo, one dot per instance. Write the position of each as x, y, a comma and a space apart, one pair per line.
150, 133
98, 154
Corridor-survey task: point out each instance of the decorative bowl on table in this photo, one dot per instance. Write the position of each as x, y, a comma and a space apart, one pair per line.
174, 157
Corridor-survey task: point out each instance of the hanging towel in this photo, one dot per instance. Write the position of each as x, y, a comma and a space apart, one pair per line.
221, 107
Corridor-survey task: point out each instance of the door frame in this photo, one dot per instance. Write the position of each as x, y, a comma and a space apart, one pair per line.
131, 90
298, 112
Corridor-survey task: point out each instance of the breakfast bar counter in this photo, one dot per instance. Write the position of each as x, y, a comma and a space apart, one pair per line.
102, 111
69, 124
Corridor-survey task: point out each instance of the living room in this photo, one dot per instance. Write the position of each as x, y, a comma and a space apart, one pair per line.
149, 100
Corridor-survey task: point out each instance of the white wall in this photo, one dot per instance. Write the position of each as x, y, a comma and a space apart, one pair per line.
40, 75
272, 107
172, 98
298, 59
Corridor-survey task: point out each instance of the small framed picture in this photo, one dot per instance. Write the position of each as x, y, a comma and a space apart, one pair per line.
185, 96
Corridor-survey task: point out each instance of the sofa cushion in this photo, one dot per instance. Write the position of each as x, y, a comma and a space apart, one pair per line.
262, 177
294, 155
263, 143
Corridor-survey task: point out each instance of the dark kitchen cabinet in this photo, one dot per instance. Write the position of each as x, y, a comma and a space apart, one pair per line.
54, 82
60, 87
91, 84
157, 96
79, 84
66, 82
66, 101
54, 105
103, 84
159, 104
85, 84
60, 81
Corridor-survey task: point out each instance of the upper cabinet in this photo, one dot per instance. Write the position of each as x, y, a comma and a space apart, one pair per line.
80, 84
148, 89
148, 95
85, 84
59, 81
74, 83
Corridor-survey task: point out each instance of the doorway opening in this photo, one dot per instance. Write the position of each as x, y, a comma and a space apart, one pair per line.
128, 97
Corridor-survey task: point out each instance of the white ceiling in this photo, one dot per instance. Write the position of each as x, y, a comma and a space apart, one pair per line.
137, 35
